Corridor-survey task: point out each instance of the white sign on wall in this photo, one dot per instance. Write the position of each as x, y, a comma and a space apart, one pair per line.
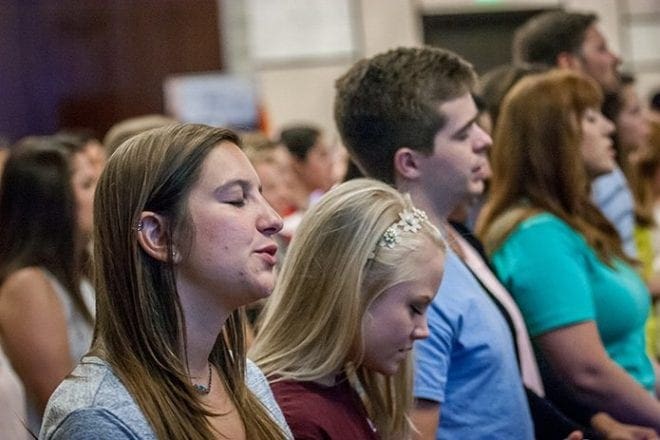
281, 31
213, 99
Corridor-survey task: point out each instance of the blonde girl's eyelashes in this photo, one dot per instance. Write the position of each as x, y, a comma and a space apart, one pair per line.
417, 309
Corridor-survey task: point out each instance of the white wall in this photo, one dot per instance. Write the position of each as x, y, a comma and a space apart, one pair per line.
305, 92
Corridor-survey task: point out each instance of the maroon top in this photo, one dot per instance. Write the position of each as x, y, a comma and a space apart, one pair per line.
315, 411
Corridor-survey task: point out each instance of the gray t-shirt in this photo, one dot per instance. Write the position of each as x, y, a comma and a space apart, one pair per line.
93, 403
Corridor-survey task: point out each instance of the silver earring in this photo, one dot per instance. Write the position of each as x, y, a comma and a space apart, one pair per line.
139, 226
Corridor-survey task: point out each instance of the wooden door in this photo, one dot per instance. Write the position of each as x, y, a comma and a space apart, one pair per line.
91, 63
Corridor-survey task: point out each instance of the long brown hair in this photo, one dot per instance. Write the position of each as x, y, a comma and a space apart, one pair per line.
537, 163
38, 215
140, 324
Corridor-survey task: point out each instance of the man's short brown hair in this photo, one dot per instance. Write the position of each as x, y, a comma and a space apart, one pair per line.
543, 37
392, 101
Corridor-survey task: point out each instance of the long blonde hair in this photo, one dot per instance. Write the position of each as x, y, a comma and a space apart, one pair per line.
140, 324
311, 326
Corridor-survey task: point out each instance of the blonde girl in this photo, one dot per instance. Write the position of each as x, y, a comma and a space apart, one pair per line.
336, 336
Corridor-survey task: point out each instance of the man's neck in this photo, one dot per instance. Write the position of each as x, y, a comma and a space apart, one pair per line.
438, 210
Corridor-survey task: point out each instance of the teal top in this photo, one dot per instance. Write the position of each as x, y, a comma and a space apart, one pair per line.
558, 280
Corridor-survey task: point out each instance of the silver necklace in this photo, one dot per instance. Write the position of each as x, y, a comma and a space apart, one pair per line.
201, 389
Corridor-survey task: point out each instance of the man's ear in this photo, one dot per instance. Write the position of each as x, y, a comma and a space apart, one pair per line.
152, 235
406, 163
567, 60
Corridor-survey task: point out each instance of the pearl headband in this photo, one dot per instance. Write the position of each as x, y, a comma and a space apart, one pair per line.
410, 220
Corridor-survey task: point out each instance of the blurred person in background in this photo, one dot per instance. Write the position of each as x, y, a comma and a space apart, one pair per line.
127, 128
574, 41
90, 145
313, 169
650, 167
46, 301
272, 163
568, 40
647, 185
631, 143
